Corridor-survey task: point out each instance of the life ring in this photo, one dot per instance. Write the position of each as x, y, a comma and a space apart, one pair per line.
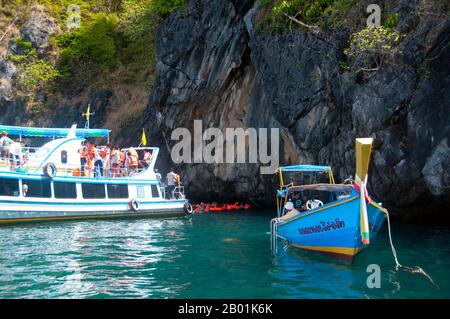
50, 170
188, 208
311, 204
134, 204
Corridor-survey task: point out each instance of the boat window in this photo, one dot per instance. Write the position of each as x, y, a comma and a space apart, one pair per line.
155, 193
63, 157
36, 188
92, 191
9, 187
65, 190
118, 191
140, 191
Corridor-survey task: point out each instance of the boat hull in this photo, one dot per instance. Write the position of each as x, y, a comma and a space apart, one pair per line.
19, 212
333, 229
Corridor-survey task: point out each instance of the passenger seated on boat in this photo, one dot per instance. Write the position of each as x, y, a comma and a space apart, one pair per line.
290, 211
304, 207
24, 190
297, 201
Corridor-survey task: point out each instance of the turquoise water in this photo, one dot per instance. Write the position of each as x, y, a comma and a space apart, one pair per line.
225, 255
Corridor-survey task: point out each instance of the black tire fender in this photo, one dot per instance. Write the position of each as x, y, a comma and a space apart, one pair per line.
188, 208
134, 205
50, 170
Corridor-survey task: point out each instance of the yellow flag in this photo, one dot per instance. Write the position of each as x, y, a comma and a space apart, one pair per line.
88, 112
144, 138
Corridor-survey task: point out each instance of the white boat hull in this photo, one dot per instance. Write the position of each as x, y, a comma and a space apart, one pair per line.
17, 211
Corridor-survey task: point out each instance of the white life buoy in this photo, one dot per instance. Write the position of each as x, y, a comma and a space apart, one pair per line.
311, 204
49, 170
134, 204
188, 208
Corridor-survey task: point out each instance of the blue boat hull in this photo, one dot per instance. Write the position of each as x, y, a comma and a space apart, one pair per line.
333, 229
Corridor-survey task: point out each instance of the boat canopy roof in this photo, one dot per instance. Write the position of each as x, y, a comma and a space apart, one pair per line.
322, 187
52, 132
317, 187
305, 168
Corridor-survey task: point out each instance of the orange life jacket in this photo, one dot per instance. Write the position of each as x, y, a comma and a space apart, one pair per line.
91, 151
133, 160
83, 151
104, 152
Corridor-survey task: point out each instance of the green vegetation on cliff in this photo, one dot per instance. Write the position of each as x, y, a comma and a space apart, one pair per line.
119, 36
35, 74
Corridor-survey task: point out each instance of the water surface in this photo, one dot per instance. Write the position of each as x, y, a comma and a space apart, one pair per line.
222, 255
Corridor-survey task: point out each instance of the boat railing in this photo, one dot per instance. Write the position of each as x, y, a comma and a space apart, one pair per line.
178, 192
73, 170
163, 191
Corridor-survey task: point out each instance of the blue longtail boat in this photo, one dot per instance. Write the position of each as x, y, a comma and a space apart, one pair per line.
335, 219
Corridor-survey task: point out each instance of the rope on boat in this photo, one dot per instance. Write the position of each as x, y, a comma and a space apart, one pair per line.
413, 270
273, 235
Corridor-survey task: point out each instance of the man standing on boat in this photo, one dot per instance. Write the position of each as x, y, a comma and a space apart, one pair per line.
98, 162
15, 153
83, 157
106, 159
115, 161
171, 180
5, 142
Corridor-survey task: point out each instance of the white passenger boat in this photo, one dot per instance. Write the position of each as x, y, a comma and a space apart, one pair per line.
47, 186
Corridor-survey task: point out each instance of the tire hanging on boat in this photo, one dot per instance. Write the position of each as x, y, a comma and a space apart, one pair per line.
188, 208
134, 205
49, 170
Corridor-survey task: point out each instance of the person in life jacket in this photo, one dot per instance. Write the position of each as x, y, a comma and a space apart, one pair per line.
122, 156
145, 163
91, 159
131, 162
83, 157
115, 161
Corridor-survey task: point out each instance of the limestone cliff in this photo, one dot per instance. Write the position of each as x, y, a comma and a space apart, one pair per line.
213, 64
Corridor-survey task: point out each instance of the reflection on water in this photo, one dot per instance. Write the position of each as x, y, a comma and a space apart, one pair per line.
319, 276
208, 256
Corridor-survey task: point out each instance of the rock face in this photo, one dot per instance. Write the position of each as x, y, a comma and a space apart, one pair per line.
212, 65
215, 64
59, 111
38, 30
